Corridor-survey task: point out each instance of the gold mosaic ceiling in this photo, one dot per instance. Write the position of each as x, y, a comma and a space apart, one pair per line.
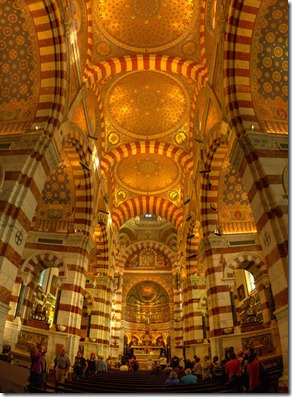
147, 173
142, 26
147, 104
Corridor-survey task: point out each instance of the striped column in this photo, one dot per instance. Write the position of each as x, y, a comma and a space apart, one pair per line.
116, 338
218, 292
26, 162
73, 289
261, 161
195, 287
100, 314
177, 329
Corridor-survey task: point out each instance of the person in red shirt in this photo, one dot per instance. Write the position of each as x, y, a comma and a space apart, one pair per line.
253, 372
233, 371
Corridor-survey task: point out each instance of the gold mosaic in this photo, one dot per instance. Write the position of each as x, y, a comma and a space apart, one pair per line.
147, 104
147, 173
140, 25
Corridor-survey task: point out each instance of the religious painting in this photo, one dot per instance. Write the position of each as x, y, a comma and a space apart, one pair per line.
53, 289
240, 292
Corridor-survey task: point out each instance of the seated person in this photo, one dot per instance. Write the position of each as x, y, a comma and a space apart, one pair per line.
6, 354
172, 379
124, 367
189, 379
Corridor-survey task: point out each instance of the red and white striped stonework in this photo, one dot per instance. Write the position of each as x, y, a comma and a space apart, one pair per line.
216, 150
192, 289
236, 74
144, 205
49, 28
101, 311
261, 168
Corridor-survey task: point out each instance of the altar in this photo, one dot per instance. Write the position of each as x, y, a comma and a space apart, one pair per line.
146, 353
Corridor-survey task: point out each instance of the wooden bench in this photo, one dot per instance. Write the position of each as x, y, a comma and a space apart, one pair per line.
85, 387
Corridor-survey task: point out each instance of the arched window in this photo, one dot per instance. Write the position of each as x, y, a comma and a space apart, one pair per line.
42, 278
251, 282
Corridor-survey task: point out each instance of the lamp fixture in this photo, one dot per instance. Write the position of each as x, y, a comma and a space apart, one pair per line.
198, 140
187, 201
189, 218
104, 212
205, 171
192, 256
213, 208
85, 166
217, 231
190, 236
92, 137
209, 185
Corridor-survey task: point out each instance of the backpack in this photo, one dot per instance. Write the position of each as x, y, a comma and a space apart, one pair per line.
217, 370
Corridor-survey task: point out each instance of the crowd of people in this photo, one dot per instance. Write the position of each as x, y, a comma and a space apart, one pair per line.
242, 372
63, 366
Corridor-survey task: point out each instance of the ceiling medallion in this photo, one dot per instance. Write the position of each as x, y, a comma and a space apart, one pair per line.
146, 26
147, 104
113, 138
174, 196
147, 173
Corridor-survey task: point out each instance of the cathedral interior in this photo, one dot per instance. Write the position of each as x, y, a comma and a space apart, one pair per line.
144, 177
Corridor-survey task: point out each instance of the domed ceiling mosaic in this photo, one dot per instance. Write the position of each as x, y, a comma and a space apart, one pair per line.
147, 104
143, 26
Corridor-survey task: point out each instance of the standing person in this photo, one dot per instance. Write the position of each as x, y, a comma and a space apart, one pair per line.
175, 362
101, 364
189, 378
206, 369
109, 362
36, 377
135, 364
197, 368
162, 362
150, 365
253, 372
233, 371
62, 365
80, 366
44, 370
217, 371
92, 364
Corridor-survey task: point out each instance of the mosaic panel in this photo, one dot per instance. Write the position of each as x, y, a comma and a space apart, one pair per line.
19, 72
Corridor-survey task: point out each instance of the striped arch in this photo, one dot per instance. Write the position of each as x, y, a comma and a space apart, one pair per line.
202, 32
236, 63
133, 148
147, 204
251, 262
77, 151
102, 252
145, 244
142, 62
49, 26
216, 152
37, 263
89, 32
147, 277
